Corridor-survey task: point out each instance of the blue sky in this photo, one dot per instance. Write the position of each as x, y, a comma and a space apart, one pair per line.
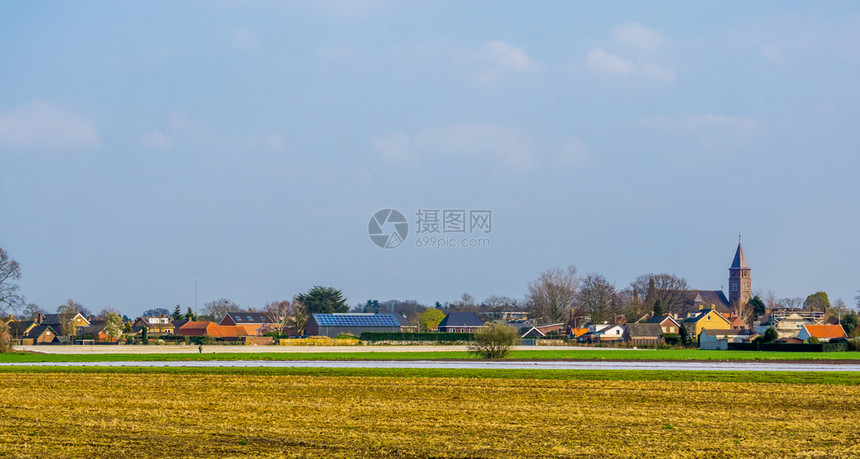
246, 144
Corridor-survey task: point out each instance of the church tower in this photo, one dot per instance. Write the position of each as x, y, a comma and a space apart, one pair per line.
740, 284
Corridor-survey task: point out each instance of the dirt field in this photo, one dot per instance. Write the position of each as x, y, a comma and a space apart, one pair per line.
157, 415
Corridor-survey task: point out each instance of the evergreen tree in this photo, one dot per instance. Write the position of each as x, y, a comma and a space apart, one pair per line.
177, 313
658, 308
685, 336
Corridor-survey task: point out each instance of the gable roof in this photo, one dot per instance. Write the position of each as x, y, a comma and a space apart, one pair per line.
194, 328
54, 319
241, 317
710, 299
740, 261
660, 319
644, 329
461, 319
825, 331
20, 327
704, 313
38, 330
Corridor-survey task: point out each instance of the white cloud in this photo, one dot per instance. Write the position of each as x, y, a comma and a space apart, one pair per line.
602, 62
574, 154
638, 40
38, 124
397, 147
157, 140
495, 60
638, 37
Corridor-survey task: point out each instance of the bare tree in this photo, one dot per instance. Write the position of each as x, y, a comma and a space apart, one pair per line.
67, 313
839, 308
216, 310
791, 303
631, 305
277, 311
300, 315
771, 300
32, 311
597, 297
10, 274
670, 290
552, 293
466, 303
497, 304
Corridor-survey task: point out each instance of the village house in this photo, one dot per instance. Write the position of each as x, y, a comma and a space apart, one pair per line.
719, 339
603, 333
643, 333
153, 325
706, 319
210, 329
253, 323
78, 321
334, 325
824, 333
460, 322
667, 323
96, 329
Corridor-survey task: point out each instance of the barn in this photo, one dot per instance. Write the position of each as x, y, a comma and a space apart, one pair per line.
333, 325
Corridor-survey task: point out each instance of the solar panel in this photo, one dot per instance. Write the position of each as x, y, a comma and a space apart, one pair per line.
356, 320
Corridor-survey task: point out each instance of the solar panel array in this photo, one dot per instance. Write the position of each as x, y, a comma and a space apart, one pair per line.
356, 320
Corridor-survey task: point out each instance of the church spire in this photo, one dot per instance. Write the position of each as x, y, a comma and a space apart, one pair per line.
740, 261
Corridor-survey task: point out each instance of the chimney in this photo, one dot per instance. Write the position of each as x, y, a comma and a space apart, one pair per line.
39, 318
701, 307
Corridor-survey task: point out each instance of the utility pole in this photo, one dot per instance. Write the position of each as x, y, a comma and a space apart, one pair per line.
195, 297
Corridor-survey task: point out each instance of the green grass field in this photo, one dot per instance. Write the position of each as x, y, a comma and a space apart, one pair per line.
573, 354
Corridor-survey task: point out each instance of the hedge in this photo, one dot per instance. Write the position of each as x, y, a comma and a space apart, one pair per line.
429, 336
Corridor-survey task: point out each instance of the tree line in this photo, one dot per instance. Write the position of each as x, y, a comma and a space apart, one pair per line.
557, 295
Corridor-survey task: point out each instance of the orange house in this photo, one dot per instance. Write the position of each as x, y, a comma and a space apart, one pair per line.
205, 328
824, 333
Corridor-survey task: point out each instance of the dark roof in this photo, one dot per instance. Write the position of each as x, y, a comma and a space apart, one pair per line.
708, 298
94, 328
241, 317
54, 319
37, 331
355, 320
179, 323
461, 319
645, 329
51, 319
658, 319
740, 261
16, 328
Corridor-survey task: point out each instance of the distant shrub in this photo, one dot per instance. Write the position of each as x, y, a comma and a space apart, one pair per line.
346, 336
424, 336
813, 340
494, 341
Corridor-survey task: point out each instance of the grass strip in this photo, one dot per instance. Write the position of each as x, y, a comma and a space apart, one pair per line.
842, 378
573, 354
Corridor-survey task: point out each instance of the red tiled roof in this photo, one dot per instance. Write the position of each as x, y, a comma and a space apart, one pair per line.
826, 331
